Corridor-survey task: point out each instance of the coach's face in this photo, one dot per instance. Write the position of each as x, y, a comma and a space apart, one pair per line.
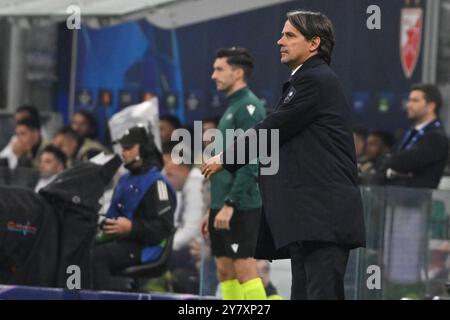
295, 49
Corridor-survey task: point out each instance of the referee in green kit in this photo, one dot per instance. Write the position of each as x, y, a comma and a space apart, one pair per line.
234, 216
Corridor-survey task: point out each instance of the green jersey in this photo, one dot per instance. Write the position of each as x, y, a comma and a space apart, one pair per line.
243, 112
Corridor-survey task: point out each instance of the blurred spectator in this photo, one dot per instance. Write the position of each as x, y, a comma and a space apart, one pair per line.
85, 124
379, 143
167, 124
68, 141
207, 139
187, 181
200, 251
76, 148
420, 158
29, 111
206, 136
359, 136
29, 143
51, 162
210, 123
8, 153
263, 267
26, 111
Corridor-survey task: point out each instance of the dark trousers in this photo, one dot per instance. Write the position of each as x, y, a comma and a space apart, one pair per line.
318, 270
109, 259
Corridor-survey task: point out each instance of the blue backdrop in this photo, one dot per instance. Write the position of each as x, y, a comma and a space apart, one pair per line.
126, 61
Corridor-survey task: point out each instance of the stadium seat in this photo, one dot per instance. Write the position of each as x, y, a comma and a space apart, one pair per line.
150, 270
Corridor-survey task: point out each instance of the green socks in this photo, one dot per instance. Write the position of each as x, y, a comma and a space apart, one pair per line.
231, 290
254, 290
250, 290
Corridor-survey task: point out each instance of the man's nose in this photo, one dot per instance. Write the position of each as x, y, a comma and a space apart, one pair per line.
280, 42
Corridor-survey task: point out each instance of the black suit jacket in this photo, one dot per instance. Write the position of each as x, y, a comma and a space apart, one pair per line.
424, 162
314, 196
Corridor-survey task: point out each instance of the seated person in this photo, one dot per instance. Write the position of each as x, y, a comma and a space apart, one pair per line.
378, 145
84, 124
359, 137
188, 182
52, 161
14, 148
29, 143
167, 125
140, 218
76, 148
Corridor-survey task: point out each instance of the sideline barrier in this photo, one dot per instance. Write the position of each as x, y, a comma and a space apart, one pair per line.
39, 293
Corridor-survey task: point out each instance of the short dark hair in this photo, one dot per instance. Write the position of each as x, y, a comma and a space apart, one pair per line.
214, 120
431, 93
69, 132
32, 111
386, 137
57, 152
238, 57
360, 130
168, 147
315, 24
92, 121
173, 120
31, 123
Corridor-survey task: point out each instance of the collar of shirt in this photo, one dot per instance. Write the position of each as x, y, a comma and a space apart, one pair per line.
422, 125
296, 69
238, 94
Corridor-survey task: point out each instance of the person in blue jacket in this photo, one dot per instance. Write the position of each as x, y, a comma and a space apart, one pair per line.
140, 217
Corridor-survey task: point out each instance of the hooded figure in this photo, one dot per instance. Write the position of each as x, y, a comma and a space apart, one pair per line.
42, 234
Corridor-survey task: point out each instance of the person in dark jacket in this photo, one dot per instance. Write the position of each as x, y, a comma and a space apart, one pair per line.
140, 218
419, 159
378, 146
312, 206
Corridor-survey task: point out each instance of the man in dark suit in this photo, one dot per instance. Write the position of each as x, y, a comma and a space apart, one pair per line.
420, 158
312, 206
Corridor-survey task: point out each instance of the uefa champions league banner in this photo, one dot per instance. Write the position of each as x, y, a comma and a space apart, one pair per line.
128, 63
124, 65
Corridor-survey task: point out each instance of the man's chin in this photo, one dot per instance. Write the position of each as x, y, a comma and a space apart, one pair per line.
284, 60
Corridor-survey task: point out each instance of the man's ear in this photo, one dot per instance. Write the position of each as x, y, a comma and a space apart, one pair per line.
36, 134
239, 73
432, 106
314, 44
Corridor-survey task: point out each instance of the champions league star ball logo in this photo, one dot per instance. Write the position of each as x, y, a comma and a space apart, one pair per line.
411, 24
